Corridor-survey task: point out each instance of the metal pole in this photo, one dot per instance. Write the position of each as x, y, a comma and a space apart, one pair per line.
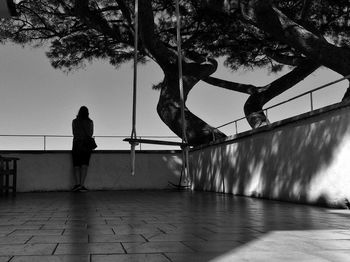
133, 132
179, 54
311, 102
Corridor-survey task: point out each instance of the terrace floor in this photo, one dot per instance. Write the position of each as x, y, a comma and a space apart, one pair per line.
167, 226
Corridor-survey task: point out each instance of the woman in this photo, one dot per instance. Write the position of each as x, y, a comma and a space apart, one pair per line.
83, 129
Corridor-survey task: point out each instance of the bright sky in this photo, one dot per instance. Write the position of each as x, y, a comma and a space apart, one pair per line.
39, 100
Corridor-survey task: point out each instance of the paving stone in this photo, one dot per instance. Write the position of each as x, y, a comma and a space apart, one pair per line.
89, 248
59, 258
335, 256
116, 238
59, 239
172, 237
193, 257
27, 249
129, 258
212, 246
39, 232
126, 231
156, 247
14, 239
254, 256
333, 244
108, 231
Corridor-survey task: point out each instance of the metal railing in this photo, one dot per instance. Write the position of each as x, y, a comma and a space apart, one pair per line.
45, 138
42, 141
310, 93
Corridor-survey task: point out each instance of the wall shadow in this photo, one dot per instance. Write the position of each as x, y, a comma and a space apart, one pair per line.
278, 164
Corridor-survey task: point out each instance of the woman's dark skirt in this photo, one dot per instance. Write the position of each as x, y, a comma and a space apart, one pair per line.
81, 153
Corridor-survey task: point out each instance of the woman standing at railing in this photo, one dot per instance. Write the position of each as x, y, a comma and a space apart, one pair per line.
83, 129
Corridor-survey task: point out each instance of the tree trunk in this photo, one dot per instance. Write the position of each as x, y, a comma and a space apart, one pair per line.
169, 109
169, 105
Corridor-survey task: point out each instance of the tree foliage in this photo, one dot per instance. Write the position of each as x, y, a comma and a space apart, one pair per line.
300, 34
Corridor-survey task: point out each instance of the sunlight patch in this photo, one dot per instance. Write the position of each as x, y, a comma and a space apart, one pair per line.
298, 245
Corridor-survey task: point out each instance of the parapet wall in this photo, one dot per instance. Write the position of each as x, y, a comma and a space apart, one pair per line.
109, 170
303, 159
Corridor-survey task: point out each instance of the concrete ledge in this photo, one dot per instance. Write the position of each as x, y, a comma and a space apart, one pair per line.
109, 170
275, 125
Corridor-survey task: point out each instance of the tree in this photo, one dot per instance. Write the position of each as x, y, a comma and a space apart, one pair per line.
79, 31
317, 31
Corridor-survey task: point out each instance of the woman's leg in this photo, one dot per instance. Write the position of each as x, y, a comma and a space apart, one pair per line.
77, 175
83, 174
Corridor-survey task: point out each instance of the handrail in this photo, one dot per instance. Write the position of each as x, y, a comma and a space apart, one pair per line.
287, 101
44, 137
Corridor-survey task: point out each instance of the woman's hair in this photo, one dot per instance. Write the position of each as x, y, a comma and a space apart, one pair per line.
83, 113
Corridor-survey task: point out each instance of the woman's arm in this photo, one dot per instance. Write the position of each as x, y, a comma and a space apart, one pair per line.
91, 128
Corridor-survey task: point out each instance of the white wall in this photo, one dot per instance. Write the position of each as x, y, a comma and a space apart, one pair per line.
302, 159
50, 171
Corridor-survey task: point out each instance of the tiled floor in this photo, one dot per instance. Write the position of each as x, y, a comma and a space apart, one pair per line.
167, 226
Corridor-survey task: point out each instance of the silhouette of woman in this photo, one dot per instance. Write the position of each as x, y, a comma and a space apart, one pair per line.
83, 129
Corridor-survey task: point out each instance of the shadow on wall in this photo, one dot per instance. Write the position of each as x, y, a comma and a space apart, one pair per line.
285, 163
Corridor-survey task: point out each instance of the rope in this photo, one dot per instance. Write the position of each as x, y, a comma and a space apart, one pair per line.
179, 54
133, 132
185, 157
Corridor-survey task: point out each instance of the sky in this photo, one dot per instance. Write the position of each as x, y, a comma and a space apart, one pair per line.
37, 99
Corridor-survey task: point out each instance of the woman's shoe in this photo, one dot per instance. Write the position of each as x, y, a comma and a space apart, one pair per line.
76, 188
83, 189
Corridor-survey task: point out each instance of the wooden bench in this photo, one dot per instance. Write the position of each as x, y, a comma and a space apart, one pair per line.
8, 169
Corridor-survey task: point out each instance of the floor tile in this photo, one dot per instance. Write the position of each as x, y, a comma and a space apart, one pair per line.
60, 258
130, 258
89, 248
27, 249
172, 237
58, 239
212, 246
14, 239
116, 238
33, 232
156, 247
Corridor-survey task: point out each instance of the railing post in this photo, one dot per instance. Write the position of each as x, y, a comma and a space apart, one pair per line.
311, 102
236, 127
44, 143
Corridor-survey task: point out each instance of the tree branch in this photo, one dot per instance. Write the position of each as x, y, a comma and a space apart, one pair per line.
305, 9
94, 19
254, 104
242, 88
285, 59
